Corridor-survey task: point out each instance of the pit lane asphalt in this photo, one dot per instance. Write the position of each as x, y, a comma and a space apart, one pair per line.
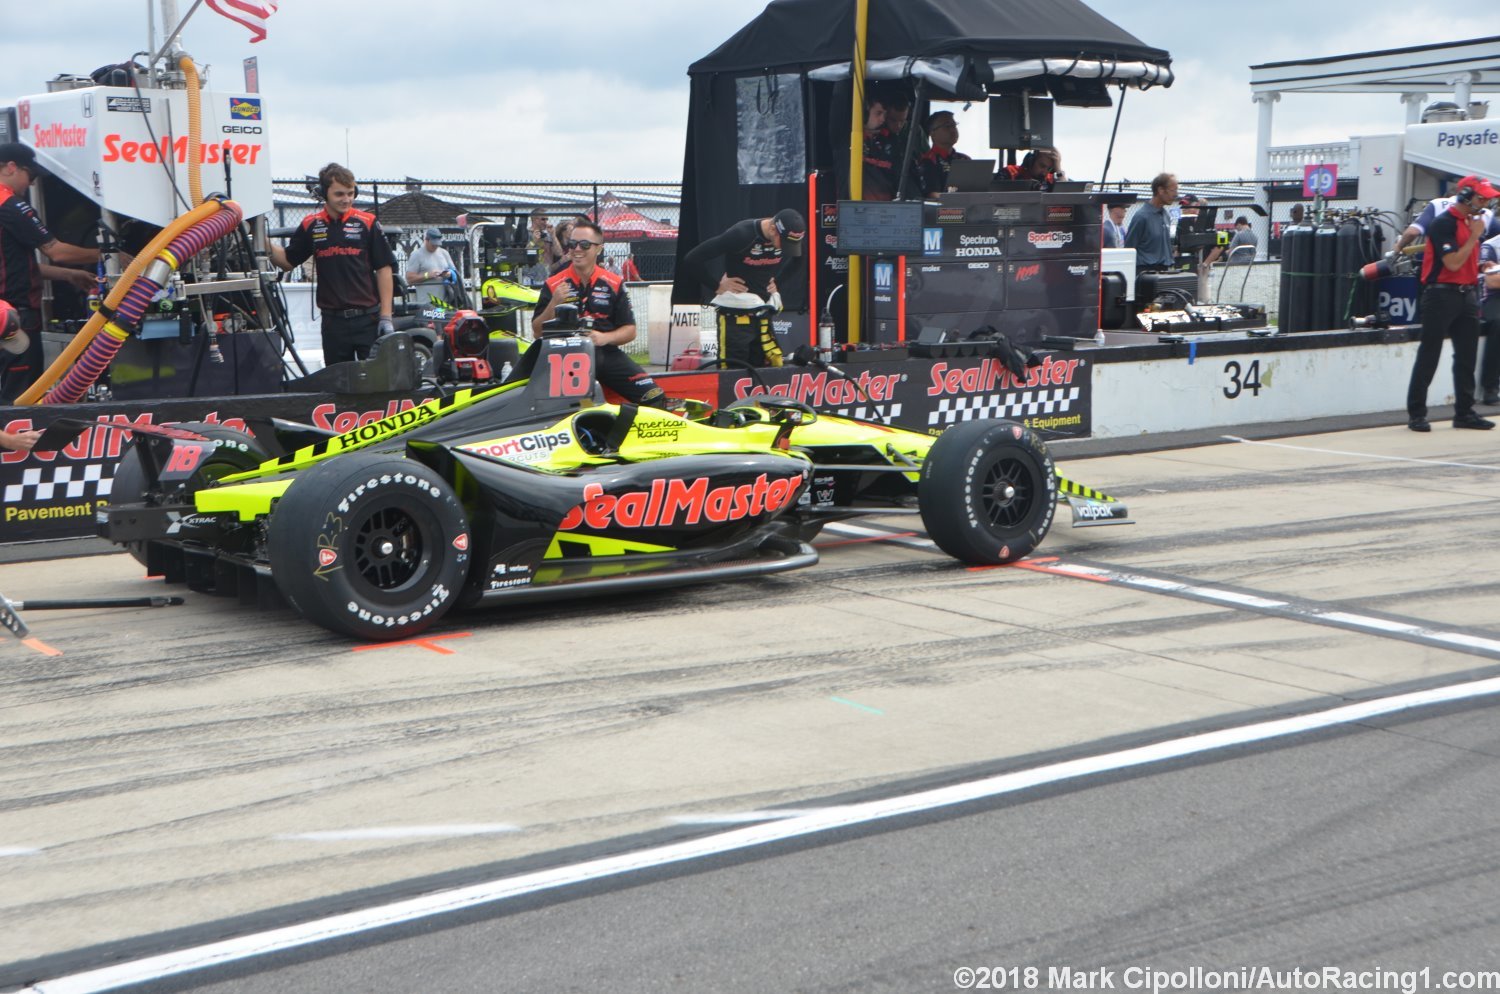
161, 776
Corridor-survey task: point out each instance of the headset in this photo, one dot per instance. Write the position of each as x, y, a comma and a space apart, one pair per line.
324, 182
1465, 195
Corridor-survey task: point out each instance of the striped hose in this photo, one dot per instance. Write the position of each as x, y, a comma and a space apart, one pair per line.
102, 350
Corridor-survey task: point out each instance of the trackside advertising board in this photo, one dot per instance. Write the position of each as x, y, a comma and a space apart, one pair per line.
55, 494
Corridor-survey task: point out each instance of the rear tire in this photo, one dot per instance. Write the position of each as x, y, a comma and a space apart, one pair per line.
236, 452
370, 545
988, 491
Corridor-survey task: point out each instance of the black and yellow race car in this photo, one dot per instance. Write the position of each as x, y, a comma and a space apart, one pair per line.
536, 488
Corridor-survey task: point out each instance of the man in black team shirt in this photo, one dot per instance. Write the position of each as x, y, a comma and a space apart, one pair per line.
754, 253
354, 263
22, 235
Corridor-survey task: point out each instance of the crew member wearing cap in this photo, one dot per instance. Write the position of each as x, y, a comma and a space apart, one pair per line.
354, 263
1450, 308
431, 261
933, 166
13, 341
740, 268
22, 235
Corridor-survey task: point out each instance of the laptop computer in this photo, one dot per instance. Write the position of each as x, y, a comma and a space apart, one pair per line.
971, 175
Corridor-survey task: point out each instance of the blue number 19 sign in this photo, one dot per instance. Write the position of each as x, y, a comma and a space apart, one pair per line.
1320, 181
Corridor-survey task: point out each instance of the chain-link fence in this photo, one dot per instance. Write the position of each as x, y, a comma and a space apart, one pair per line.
639, 217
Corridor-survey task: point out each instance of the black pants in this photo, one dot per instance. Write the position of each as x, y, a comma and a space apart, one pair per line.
17, 372
1448, 311
746, 337
619, 372
1489, 329
348, 338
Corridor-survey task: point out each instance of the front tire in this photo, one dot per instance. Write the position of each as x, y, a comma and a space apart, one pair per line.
988, 491
369, 545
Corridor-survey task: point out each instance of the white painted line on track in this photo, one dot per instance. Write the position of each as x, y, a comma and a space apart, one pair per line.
1291, 609
1359, 455
17, 851
859, 531
736, 840
745, 817
398, 832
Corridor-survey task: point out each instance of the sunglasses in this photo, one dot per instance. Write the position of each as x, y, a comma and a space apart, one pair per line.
583, 243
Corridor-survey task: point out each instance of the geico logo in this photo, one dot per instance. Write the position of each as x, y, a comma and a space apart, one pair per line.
240, 129
1095, 511
674, 502
511, 447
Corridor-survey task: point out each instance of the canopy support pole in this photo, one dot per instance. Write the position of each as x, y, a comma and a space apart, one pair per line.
1110, 154
857, 153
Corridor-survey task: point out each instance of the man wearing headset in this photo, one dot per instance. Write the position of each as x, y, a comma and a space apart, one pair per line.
354, 264
1450, 308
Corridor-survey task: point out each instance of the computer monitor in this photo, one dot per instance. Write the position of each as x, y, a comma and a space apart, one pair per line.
970, 175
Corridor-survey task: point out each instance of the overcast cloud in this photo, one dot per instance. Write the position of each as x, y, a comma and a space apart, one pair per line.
583, 89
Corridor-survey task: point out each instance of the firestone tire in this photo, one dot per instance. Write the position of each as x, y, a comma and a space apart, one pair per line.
988, 491
370, 545
234, 452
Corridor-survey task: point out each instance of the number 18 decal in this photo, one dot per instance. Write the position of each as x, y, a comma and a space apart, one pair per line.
570, 374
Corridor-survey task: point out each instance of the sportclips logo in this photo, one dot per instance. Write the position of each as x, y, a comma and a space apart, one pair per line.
1049, 239
680, 502
826, 390
523, 448
991, 375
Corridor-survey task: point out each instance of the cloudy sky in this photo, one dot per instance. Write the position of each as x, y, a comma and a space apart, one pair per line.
586, 89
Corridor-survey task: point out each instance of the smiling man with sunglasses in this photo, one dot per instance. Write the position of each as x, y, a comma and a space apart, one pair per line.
605, 309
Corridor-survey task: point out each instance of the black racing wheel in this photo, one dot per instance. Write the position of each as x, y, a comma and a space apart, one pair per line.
988, 491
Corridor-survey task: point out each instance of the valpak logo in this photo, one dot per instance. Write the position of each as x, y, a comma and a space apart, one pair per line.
885, 277
536, 447
680, 502
932, 241
1049, 239
244, 108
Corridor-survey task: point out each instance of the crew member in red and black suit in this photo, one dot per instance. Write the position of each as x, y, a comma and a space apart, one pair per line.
1450, 304
754, 252
354, 264
22, 236
604, 308
933, 166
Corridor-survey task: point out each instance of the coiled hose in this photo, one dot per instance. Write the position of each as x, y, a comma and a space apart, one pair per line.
137, 297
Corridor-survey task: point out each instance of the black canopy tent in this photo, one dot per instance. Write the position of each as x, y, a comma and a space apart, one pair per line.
764, 107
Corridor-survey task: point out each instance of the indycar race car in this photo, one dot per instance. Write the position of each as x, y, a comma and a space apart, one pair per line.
536, 489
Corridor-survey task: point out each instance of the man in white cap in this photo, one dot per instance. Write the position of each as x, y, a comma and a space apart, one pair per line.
431, 261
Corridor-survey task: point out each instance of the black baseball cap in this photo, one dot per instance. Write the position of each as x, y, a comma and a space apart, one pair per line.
792, 229
21, 155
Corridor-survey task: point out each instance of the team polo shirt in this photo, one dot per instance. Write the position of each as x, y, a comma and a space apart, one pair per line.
21, 234
748, 255
347, 252
601, 297
933, 166
1448, 232
1436, 207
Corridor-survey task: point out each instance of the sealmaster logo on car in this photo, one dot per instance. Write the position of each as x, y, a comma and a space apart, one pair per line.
680, 502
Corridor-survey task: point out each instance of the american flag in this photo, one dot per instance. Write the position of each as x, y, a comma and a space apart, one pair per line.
251, 14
